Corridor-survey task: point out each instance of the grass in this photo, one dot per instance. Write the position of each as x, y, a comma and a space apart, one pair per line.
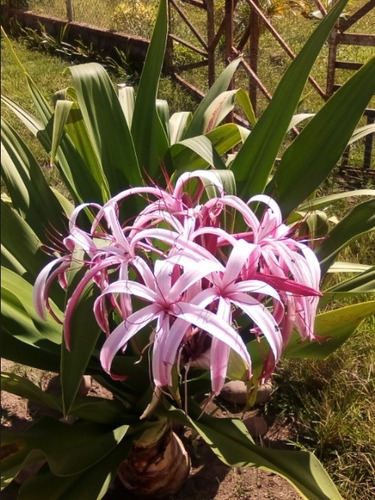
332, 402
136, 18
41, 65
49, 72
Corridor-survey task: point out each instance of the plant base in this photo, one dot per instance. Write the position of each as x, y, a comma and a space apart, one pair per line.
156, 470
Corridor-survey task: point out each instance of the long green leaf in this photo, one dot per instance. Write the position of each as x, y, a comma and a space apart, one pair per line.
77, 173
44, 355
243, 100
91, 408
199, 122
232, 443
21, 386
145, 117
25, 337
27, 186
106, 125
348, 267
68, 448
194, 153
361, 219
324, 201
253, 164
17, 300
62, 111
74, 170
127, 100
84, 333
178, 123
364, 282
335, 327
227, 136
318, 148
219, 108
301, 469
200, 151
80, 139
30, 122
28, 256
90, 484
361, 132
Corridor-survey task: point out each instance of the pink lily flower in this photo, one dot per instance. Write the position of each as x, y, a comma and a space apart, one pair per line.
194, 276
174, 317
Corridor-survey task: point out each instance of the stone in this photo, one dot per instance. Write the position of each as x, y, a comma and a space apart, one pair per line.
256, 425
235, 392
264, 393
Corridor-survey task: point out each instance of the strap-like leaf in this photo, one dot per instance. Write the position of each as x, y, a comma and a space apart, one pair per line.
324, 201
25, 337
21, 386
361, 219
84, 333
232, 443
69, 449
254, 162
87, 485
243, 100
27, 256
336, 325
201, 151
194, 153
318, 148
62, 111
127, 100
106, 126
361, 132
78, 172
148, 133
178, 123
362, 283
198, 123
31, 196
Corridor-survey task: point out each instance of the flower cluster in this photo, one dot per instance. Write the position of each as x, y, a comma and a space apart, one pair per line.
191, 268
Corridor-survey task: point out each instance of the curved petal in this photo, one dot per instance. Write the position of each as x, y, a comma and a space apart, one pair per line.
263, 319
166, 344
237, 259
200, 174
220, 351
43, 284
132, 287
215, 327
233, 201
118, 234
197, 271
73, 299
219, 358
124, 332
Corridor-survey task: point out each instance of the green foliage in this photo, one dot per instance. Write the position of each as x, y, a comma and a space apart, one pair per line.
134, 17
103, 142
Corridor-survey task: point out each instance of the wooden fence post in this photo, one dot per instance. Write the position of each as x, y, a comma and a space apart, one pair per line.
69, 10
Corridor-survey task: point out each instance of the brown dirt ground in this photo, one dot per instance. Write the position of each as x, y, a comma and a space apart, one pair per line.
209, 479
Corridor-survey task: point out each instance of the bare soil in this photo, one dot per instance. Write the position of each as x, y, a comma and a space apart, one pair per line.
209, 478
